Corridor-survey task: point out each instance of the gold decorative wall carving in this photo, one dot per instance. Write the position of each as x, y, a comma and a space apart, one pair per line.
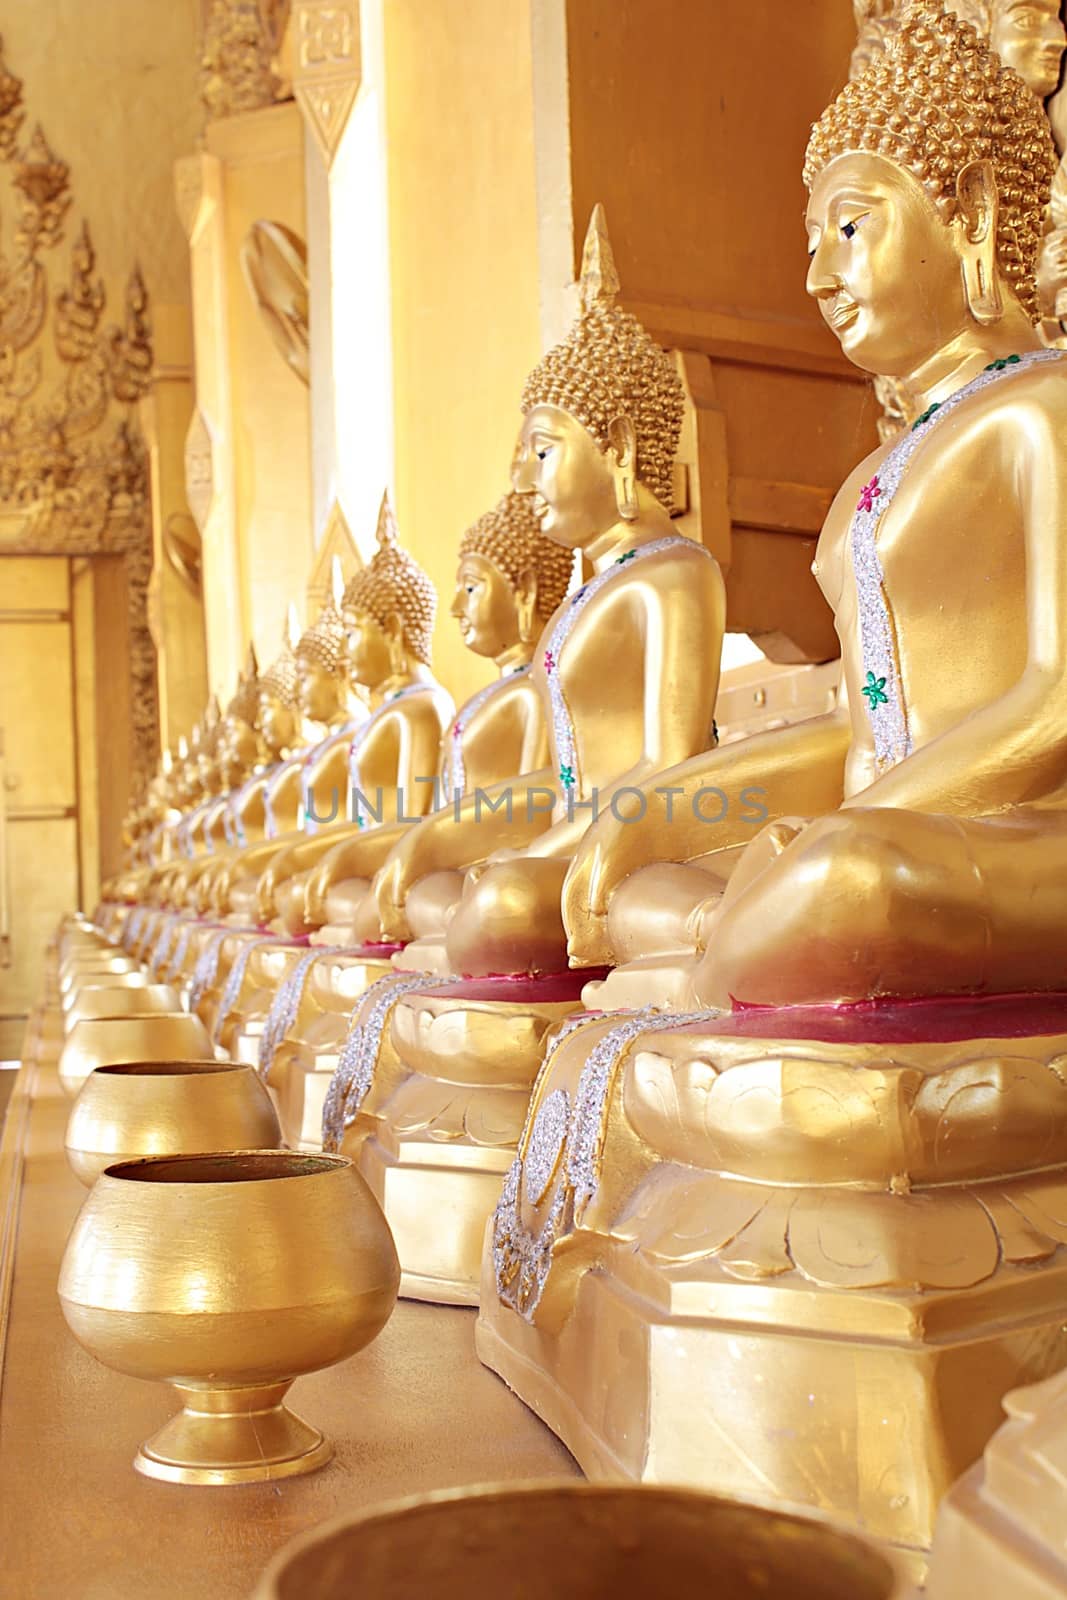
238, 69
327, 66
73, 463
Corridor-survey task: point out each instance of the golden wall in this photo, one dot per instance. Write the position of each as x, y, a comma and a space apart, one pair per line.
463, 251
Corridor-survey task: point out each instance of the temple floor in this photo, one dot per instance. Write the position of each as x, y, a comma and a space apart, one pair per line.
415, 1411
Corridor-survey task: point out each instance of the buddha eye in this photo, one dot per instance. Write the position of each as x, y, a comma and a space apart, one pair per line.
849, 229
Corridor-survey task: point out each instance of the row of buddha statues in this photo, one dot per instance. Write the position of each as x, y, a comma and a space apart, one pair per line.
728, 1080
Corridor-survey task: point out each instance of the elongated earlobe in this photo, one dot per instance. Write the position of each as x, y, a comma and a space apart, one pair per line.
976, 195
623, 442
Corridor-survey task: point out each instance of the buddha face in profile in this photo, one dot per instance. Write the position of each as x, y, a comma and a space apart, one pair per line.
238, 749
369, 647
885, 264
572, 480
1029, 36
928, 180
317, 691
486, 607
277, 722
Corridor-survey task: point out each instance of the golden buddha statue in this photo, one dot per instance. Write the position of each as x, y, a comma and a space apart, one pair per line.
602, 415
259, 730
509, 583
628, 671
384, 625
388, 611
331, 712
277, 724
823, 1211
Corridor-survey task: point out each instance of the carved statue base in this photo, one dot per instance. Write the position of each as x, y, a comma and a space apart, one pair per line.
1001, 1529
267, 968
304, 1058
793, 1254
440, 1124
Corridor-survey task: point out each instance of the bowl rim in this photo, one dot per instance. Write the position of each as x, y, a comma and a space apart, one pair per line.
139, 1018
316, 1165
580, 1488
205, 1066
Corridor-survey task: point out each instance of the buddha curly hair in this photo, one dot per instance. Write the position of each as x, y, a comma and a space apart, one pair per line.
281, 680
393, 583
324, 642
245, 704
510, 537
937, 100
609, 367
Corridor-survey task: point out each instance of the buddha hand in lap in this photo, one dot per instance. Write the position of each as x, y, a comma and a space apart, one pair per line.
627, 668
942, 558
509, 581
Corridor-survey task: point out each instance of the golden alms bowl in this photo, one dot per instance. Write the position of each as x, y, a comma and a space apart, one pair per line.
134, 1000
163, 1108
109, 1041
228, 1276
88, 981
578, 1541
85, 968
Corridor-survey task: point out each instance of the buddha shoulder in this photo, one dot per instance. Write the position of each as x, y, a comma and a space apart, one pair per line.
681, 561
1027, 404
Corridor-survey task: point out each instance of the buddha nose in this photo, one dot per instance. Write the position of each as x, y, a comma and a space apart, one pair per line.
821, 282
522, 479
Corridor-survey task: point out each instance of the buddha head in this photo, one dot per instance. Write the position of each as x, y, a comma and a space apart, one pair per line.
320, 660
279, 694
929, 176
388, 609
239, 743
602, 415
510, 578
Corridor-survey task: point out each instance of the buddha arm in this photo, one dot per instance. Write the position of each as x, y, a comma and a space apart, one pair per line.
535, 752
327, 784
347, 852
506, 815
285, 799
1014, 750
251, 813
360, 855
796, 771
246, 863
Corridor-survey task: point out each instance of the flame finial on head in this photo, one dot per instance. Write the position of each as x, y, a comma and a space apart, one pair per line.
281, 680
609, 367
386, 532
599, 279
